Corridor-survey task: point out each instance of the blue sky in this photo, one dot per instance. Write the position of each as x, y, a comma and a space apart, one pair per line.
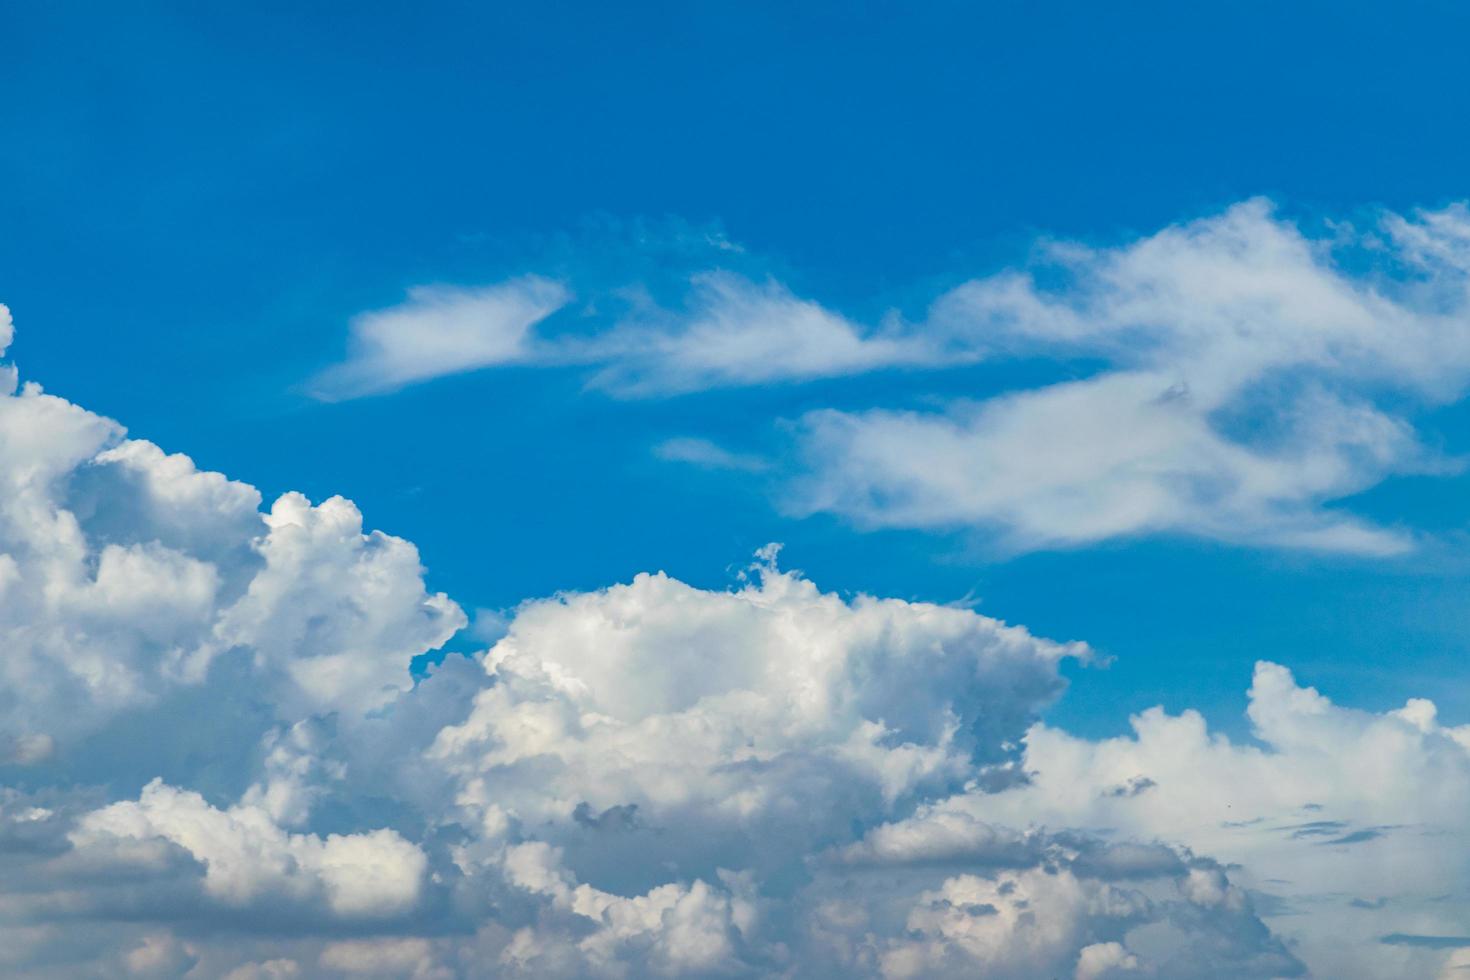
202, 200
1143, 325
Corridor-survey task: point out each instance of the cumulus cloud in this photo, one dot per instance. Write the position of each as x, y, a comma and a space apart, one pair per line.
705, 708
990, 926
1310, 818
218, 764
127, 576
248, 859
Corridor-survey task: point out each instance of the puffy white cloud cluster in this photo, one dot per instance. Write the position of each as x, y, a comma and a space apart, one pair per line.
219, 765
127, 576
1344, 823
247, 858
731, 710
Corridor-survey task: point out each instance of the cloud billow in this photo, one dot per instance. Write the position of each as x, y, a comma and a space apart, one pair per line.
216, 763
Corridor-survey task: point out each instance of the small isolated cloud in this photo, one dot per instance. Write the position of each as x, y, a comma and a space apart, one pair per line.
440, 330
708, 455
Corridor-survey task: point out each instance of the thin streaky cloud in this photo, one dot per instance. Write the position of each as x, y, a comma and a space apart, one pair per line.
440, 330
1252, 381
708, 455
1252, 377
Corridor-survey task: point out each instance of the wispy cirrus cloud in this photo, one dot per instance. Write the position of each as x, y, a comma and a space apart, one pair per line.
707, 455
730, 331
440, 330
1252, 375
735, 332
1240, 378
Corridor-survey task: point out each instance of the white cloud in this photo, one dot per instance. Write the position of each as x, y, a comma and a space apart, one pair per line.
219, 765
1238, 379
731, 332
126, 575
1028, 925
673, 930
249, 860
738, 332
276, 969
708, 455
1124, 454
7, 328
409, 959
1312, 819
316, 558
1254, 376
160, 955
683, 708
440, 330
1105, 959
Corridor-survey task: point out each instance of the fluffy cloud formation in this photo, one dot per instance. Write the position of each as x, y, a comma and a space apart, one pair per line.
1345, 823
703, 708
218, 765
127, 576
247, 858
